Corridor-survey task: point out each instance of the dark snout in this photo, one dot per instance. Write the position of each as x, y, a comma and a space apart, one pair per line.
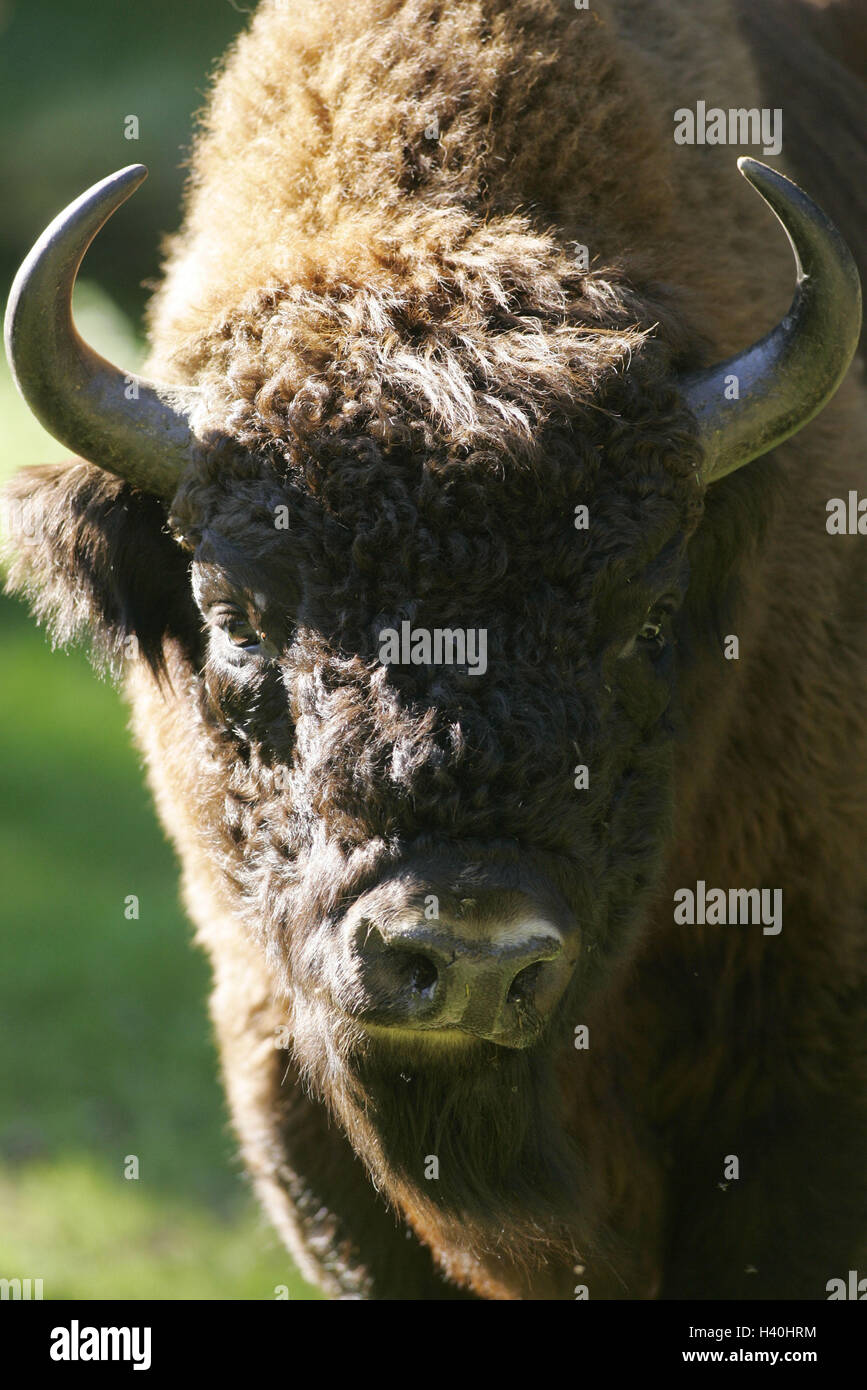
423, 977
494, 965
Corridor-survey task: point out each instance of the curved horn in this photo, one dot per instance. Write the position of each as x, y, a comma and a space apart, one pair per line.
117, 420
790, 374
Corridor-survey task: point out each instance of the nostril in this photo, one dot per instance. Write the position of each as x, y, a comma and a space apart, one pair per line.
421, 974
523, 987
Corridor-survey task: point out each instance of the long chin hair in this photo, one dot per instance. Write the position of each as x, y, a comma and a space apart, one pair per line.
467, 1141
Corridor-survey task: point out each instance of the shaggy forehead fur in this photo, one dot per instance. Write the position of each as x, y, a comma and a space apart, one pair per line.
333, 108
417, 282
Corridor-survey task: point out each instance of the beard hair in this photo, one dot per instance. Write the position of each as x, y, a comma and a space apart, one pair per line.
510, 1185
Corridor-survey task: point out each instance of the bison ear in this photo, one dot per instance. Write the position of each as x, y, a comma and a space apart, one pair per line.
94, 558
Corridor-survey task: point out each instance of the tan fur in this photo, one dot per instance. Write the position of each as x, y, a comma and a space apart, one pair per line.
325, 101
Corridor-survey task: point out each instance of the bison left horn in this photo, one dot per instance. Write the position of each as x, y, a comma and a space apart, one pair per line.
120, 421
790, 374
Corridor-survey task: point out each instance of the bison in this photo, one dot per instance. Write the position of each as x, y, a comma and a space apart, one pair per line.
497, 666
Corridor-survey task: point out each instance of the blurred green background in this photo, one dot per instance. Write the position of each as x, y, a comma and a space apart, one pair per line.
104, 1036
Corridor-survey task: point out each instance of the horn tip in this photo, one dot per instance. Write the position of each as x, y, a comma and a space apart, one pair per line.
130, 174
755, 172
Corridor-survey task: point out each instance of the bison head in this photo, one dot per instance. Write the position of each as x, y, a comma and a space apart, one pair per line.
407, 570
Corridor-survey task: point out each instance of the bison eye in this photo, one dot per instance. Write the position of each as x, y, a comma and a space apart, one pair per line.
238, 631
652, 635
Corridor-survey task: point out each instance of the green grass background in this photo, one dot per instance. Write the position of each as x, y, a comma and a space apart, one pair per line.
105, 1044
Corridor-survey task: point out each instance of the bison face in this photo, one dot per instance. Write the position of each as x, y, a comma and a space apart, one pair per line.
410, 816
441, 848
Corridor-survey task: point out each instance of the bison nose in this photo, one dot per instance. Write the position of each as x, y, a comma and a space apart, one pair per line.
425, 977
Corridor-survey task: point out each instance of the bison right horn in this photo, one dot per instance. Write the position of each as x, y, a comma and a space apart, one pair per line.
117, 420
790, 374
